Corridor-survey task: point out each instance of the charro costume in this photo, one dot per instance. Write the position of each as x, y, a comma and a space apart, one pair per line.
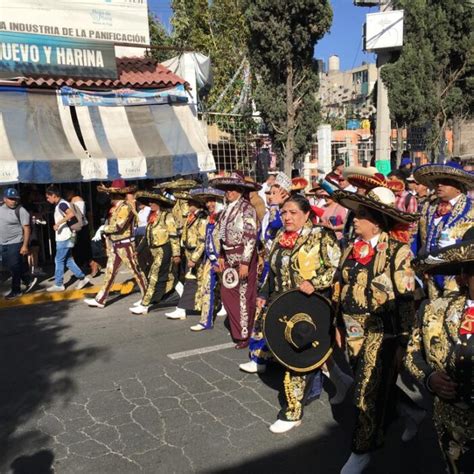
444, 223
443, 342
161, 238
374, 296
120, 244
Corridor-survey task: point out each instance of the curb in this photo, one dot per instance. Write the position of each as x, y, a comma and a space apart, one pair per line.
124, 288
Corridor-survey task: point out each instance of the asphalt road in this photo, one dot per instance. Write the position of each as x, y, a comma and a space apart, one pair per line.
95, 391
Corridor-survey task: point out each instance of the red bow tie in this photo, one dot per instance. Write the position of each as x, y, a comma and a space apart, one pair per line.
362, 252
467, 323
212, 218
288, 239
443, 209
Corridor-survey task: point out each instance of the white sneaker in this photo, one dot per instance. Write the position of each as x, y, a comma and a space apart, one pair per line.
252, 367
356, 463
92, 302
139, 309
197, 327
137, 303
55, 288
281, 426
222, 311
82, 283
179, 288
178, 313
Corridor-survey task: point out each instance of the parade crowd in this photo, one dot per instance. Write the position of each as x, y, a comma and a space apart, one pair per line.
379, 268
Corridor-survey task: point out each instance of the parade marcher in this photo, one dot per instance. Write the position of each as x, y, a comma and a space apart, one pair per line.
64, 219
161, 240
440, 353
208, 293
193, 239
374, 293
238, 258
302, 257
14, 242
120, 243
446, 219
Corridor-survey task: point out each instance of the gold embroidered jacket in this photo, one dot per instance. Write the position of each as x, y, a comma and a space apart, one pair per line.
121, 222
180, 214
313, 258
162, 231
193, 238
436, 345
382, 289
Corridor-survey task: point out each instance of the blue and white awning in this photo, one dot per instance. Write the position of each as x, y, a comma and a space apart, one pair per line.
44, 141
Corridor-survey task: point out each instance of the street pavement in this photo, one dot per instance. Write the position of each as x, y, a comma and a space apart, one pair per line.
101, 391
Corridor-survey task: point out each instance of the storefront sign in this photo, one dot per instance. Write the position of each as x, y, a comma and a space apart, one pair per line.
26, 54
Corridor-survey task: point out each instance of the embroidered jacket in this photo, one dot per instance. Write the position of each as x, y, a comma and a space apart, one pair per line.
382, 289
194, 236
121, 222
162, 231
238, 233
180, 214
212, 244
437, 345
313, 258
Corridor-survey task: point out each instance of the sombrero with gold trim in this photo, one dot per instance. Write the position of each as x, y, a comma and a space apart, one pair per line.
203, 194
187, 196
118, 186
431, 174
235, 180
298, 184
147, 196
379, 199
180, 184
366, 178
449, 260
298, 330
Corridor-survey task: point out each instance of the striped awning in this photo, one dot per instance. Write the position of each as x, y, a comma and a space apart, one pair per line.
44, 141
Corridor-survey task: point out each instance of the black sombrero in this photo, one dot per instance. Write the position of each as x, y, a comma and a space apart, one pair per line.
204, 194
148, 196
235, 180
180, 184
449, 260
431, 174
298, 330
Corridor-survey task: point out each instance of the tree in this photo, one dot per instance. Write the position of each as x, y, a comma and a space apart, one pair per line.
159, 37
429, 81
281, 47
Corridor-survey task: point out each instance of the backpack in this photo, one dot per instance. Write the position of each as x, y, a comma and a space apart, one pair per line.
80, 221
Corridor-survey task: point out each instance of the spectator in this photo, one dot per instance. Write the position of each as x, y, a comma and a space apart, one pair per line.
64, 217
406, 166
15, 234
336, 174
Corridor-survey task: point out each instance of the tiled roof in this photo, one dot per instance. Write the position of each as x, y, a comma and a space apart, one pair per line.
132, 72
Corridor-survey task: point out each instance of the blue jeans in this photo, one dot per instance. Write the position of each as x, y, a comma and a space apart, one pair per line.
64, 259
16, 265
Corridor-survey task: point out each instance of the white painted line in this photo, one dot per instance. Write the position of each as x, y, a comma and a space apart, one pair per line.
202, 350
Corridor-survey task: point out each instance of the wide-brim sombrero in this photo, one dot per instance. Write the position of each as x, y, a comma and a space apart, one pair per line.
177, 185
187, 196
151, 196
379, 199
449, 260
298, 184
366, 178
116, 190
287, 310
235, 180
204, 194
431, 174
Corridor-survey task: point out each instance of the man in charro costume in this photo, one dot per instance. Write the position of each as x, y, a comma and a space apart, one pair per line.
193, 242
208, 292
374, 294
440, 353
238, 257
161, 238
447, 218
119, 241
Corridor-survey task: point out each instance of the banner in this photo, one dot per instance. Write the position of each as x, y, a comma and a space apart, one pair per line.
26, 54
122, 97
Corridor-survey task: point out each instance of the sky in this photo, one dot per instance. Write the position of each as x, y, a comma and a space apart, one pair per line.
344, 38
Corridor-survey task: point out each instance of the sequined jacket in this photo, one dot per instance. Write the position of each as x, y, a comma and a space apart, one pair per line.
381, 289
238, 233
212, 244
313, 258
436, 345
162, 231
180, 214
121, 222
194, 236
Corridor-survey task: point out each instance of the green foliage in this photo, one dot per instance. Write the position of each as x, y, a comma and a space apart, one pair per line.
159, 37
281, 47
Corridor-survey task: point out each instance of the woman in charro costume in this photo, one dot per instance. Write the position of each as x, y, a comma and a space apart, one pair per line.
208, 293
375, 298
193, 240
119, 242
302, 257
440, 353
161, 237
